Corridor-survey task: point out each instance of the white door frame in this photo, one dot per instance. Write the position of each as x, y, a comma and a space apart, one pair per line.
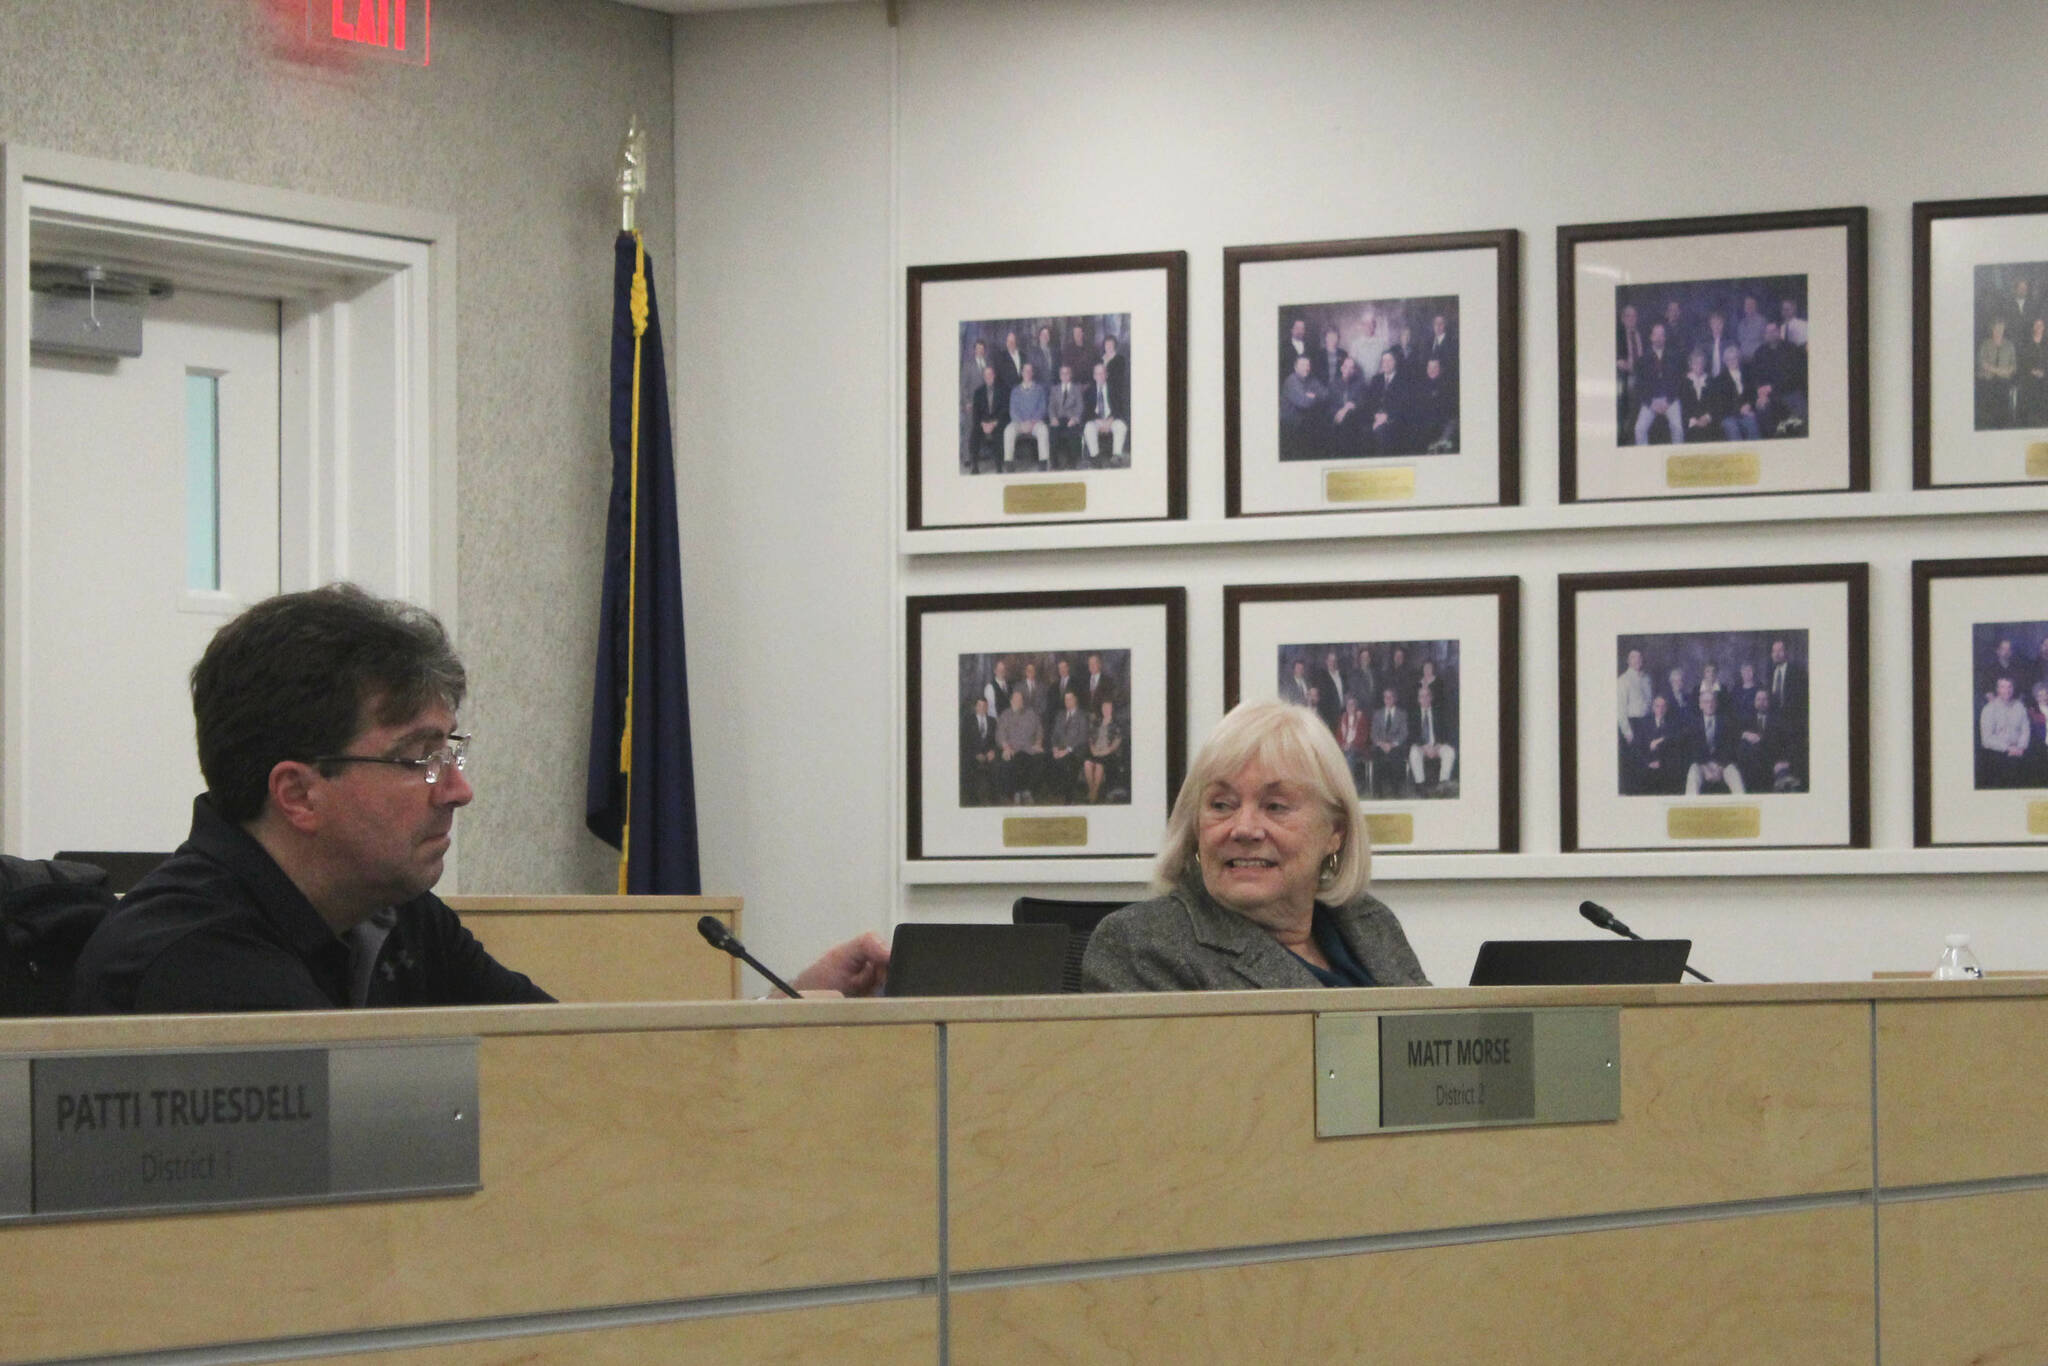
367, 379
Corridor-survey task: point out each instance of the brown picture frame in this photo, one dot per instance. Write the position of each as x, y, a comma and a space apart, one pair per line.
1947, 789
1376, 614
1700, 258
1397, 270
941, 630
1590, 633
1139, 472
1942, 399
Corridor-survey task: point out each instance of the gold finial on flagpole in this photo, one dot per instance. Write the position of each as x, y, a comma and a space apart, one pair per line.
632, 177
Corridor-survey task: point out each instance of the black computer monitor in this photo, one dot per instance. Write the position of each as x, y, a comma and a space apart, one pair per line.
1579, 962
977, 960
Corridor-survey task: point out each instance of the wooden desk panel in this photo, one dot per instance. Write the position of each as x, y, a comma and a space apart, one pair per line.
609, 948
1964, 1281
618, 1168
1957, 1098
885, 1333
1775, 1288
1060, 1132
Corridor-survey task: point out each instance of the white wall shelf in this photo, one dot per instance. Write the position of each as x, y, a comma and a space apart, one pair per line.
1586, 867
1484, 521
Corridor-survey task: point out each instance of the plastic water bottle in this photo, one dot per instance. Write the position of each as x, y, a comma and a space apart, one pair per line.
1958, 964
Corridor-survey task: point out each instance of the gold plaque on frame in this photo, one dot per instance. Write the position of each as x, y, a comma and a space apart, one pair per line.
1027, 500
1390, 827
1369, 486
1714, 822
1045, 832
2037, 460
1727, 469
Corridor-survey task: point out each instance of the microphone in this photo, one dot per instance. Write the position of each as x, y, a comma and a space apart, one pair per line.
1594, 912
1606, 920
719, 937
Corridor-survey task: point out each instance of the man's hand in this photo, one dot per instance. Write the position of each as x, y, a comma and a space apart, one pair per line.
859, 967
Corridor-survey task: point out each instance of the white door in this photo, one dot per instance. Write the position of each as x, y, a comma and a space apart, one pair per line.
152, 517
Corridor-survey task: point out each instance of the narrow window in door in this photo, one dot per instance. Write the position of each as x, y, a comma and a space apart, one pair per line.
202, 481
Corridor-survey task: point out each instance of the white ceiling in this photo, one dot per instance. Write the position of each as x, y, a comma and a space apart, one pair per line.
699, 6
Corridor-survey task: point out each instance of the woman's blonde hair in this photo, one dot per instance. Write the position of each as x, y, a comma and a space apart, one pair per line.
1293, 742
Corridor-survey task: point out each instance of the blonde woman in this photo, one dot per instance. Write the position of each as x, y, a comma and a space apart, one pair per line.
1261, 878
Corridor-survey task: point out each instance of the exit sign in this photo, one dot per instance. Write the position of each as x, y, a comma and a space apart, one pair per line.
397, 29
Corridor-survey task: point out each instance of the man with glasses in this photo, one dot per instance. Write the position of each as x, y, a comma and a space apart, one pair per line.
328, 739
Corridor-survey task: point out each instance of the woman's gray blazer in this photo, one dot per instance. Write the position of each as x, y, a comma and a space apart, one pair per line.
1184, 941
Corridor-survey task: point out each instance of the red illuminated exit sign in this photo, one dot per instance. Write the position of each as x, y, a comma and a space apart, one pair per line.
397, 29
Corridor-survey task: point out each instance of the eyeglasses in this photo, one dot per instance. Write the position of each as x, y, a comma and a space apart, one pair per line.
454, 754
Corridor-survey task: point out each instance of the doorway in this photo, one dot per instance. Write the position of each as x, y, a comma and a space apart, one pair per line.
345, 314
156, 518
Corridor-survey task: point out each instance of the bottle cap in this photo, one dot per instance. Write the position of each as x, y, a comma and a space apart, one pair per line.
1957, 941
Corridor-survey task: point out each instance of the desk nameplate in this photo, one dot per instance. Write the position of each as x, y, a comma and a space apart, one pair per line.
17, 1138
93, 1134
1387, 1072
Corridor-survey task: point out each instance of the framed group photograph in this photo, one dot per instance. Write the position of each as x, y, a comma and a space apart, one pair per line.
1980, 342
1980, 701
1047, 391
1398, 382
1416, 680
1737, 344
1746, 728
1045, 725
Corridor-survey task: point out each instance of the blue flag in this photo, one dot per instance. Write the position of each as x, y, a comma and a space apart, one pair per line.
642, 798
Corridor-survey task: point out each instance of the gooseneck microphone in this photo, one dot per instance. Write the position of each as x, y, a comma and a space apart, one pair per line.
1606, 920
719, 937
1592, 910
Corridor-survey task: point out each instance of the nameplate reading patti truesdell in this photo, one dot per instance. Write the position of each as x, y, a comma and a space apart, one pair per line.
1370, 486
2037, 818
1390, 827
1728, 469
1029, 500
123, 1133
1398, 1072
2037, 460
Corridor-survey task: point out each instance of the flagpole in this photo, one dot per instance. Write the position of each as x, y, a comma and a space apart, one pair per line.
632, 181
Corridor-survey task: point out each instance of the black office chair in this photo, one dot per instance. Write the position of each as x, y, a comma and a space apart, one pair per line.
1080, 918
124, 868
48, 909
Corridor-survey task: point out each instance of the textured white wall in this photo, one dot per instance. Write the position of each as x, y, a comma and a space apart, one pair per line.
1066, 127
513, 131
784, 410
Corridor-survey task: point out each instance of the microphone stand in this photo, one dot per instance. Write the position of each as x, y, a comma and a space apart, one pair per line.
719, 937
1605, 919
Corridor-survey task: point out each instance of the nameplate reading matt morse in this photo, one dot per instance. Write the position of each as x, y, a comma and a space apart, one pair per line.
1386, 1072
